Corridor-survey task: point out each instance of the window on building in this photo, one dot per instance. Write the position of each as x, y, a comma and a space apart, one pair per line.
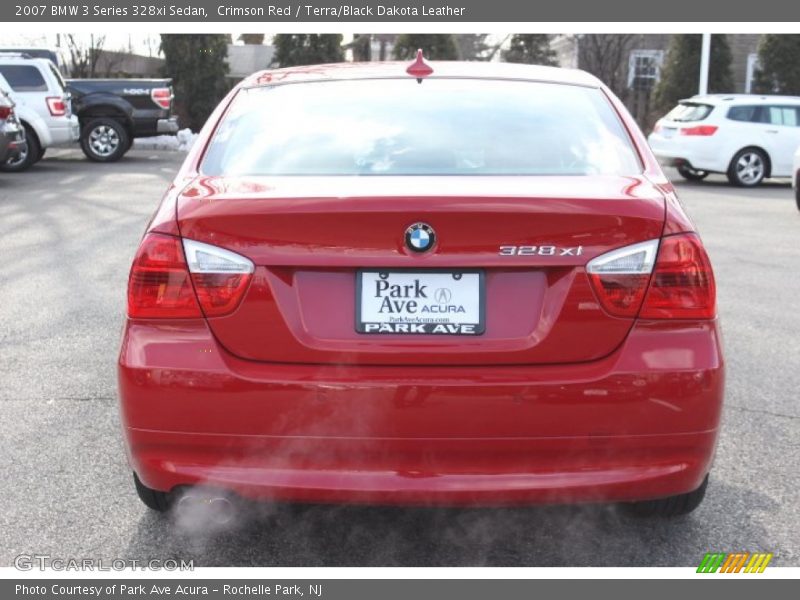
644, 69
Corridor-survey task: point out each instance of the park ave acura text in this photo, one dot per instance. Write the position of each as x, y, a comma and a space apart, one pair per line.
435, 283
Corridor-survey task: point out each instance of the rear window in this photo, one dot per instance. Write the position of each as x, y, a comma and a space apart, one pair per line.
438, 127
689, 111
57, 76
24, 78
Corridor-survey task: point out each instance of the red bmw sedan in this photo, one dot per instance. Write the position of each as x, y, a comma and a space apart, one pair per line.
435, 284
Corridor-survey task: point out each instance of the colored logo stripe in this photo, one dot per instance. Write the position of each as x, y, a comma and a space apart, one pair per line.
735, 562
711, 562
758, 563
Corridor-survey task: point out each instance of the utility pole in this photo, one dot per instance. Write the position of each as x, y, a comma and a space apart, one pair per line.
705, 59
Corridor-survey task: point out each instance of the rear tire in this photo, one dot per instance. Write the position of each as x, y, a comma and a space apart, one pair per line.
797, 190
673, 506
152, 499
691, 174
28, 158
748, 168
104, 140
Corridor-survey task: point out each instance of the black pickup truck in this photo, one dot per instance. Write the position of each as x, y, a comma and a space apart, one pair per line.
112, 112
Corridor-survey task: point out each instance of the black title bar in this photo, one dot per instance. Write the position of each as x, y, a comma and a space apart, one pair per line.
439, 11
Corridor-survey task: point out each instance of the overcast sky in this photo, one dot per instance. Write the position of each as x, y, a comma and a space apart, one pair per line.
146, 44
139, 43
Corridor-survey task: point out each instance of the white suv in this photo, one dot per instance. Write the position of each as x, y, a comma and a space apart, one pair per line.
747, 137
42, 104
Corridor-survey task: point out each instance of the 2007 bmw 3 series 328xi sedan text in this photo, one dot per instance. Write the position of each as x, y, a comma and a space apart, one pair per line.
444, 283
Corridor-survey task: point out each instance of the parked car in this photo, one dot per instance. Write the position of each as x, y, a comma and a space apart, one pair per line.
42, 105
12, 136
53, 55
444, 283
796, 178
113, 112
747, 137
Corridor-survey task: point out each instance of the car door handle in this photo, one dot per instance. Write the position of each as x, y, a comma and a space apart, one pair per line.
772, 131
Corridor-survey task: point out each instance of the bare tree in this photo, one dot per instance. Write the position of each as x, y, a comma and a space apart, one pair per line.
152, 45
606, 57
83, 56
110, 63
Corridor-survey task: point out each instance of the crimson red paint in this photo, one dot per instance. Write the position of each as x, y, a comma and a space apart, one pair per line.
599, 375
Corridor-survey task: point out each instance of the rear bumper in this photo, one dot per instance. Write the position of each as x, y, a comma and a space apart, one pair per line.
16, 149
167, 126
64, 131
700, 153
641, 423
12, 142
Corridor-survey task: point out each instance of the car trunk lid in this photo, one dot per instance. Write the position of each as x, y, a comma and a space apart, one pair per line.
529, 238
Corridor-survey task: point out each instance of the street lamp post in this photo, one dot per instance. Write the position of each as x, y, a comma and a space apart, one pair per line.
705, 59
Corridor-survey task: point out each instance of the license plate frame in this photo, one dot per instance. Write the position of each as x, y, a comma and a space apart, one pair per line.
452, 327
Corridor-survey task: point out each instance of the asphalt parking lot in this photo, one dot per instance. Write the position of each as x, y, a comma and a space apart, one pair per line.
68, 230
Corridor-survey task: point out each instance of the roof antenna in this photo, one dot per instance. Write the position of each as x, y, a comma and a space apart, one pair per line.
419, 68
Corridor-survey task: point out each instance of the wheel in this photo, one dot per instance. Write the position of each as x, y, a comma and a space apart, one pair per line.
104, 140
748, 168
41, 154
691, 174
153, 499
797, 190
672, 506
25, 159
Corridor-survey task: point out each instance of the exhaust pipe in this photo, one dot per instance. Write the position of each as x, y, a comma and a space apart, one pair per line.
222, 510
194, 505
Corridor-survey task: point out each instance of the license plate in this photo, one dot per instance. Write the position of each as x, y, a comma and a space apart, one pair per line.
420, 302
669, 132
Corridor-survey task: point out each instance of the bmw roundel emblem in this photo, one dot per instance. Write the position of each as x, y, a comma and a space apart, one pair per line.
420, 237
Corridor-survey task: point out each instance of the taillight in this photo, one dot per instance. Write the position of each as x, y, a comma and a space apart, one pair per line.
620, 277
56, 105
682, 286
5, 112
174, 280
220, 277
670, 280
704, 130
160, 285
162, 97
